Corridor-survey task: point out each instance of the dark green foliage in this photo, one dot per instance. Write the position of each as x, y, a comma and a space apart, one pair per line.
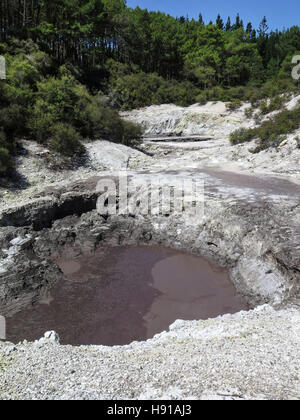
65, 140
275, 104
91, 33
283, 123
271, 132
234, 104
12, 120
242, 135
5, 158
6, 162
56, 100
131, 133
62, 103
53, 109
137, 90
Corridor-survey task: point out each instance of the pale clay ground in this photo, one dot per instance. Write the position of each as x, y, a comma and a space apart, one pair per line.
249, 355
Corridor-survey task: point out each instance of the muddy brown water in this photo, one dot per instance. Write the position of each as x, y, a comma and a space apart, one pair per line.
269, 185
124, 294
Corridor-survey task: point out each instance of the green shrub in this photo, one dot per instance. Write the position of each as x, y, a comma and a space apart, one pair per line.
20, 72
201, 98
263, 107
234, 104
42, 120
252, 94
6, 162
6, 150
65, 102
242, 135
6, 142
42, 62
13, 120
270, 132
249, 112
2, 138
138, 90
96, 120
65, 140
132, 133
276, 103
55, 101
179, 93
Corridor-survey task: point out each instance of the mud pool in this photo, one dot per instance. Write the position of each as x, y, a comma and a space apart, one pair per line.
118, 295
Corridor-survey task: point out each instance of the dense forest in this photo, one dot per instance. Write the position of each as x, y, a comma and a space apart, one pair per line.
70, 63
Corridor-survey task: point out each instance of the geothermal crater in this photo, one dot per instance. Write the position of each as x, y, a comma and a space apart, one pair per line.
103, 279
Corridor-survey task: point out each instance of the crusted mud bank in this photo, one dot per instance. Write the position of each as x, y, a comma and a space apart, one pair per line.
251, 226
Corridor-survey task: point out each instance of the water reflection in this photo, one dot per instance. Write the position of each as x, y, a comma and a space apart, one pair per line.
124, 294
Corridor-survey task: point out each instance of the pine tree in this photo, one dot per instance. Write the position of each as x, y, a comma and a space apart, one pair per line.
228, 26
249, 28
219, 22
253, 35
263, 28
238, 22
263, 40
200, 20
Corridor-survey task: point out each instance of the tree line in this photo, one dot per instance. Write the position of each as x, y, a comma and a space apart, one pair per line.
70, 62
90, 32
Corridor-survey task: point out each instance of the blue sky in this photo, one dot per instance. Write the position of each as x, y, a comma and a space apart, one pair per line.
280, 13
